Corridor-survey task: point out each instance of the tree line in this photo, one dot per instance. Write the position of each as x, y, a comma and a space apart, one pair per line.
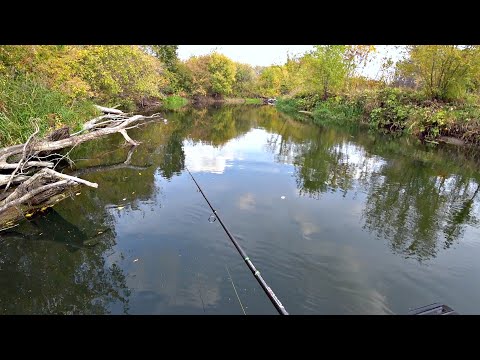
58, 83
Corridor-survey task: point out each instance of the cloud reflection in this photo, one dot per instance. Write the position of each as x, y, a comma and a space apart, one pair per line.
208, 158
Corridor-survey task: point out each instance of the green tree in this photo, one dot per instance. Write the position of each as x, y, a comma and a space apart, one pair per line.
444, 72
183, 79
325, 69
222, 74
167, 54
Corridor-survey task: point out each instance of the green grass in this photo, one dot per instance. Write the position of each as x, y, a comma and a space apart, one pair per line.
174, 102
336, 112
289, 106
24, 101
253, 101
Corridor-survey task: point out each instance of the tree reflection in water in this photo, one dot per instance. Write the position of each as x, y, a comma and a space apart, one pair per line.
419, 200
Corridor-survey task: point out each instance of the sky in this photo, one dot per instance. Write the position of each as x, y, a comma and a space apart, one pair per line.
265, 55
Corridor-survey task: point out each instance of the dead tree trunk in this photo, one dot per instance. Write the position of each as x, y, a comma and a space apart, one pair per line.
33, 172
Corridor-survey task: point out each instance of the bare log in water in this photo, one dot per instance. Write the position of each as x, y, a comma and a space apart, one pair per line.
107, 110
33, 172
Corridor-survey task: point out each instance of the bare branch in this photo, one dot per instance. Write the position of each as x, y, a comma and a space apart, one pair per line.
4, 179
71, 178
27, 165
109, 110
24, 157
128, 138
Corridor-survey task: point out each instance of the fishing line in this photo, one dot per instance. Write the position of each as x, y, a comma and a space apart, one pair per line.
271, 295
238, 297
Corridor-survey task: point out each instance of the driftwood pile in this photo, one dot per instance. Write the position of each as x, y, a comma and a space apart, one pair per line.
29, 173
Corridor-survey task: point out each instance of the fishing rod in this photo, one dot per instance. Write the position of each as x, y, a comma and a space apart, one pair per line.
271, 295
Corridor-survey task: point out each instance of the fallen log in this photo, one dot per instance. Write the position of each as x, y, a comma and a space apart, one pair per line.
33, 172
71, 141
107, 110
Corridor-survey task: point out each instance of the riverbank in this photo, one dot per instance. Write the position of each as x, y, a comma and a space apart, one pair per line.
395, 111
210, 100
26, 102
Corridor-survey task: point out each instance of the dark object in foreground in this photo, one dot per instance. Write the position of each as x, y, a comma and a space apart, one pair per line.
433, 309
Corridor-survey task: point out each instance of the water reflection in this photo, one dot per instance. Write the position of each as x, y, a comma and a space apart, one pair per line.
141, 242
53, 267
417, 198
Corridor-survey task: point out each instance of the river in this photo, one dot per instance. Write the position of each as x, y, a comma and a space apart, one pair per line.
338, 221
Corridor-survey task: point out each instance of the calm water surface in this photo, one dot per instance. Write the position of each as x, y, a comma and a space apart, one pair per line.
367, 225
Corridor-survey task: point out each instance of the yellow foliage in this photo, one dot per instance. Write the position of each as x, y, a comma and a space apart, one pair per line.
101, 71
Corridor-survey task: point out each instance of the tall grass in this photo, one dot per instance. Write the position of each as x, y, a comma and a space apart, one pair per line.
174, 102
336, 111
252, 101
24, 101
288, 105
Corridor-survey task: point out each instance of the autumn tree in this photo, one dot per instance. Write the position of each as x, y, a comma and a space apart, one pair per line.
120, 72
104, 72
198, 75
212, 74
357, 56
